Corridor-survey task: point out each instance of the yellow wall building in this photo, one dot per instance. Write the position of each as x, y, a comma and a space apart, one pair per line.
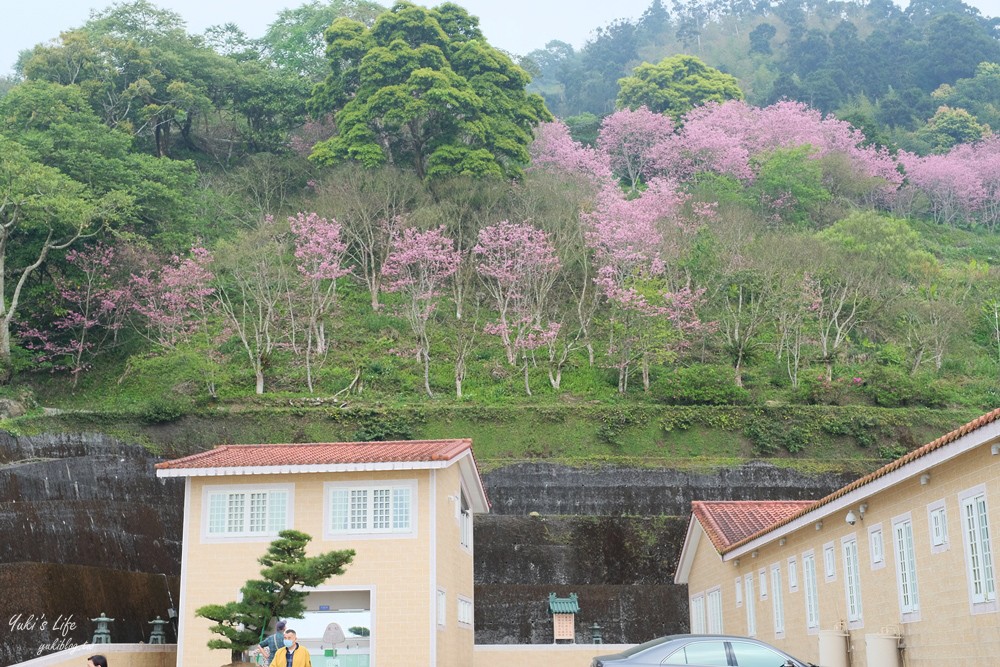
405, 508
896, 568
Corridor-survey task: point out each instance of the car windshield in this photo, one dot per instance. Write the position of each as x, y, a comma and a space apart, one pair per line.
648, 645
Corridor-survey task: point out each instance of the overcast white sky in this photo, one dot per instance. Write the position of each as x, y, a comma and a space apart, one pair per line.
517, 26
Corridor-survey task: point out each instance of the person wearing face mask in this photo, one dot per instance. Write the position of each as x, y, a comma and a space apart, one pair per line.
291, 654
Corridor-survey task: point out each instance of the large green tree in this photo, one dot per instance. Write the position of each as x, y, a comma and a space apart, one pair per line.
277, 594
143, 73
295, 42
41, 211
676, 84
58, 129
423, 89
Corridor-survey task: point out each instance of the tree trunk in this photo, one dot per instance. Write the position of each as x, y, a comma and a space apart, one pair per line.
427, 371
527, 386
555, 379
5, 365
260, 380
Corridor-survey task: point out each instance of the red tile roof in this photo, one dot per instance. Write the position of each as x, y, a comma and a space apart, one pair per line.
729, 522
328, 453
944, 440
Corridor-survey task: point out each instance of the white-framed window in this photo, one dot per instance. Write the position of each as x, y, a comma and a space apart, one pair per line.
762, 575
442, 607
811, 590
852, 579
937, 519
829, 562
465, 612
750, 605
698, 614
793, 575
247, 511
776, 601
378, 509
465, 521
738, 596
876, 546
978, 549
714, 601
906, 568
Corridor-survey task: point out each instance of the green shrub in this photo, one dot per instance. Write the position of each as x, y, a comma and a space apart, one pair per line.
380, 425
163, 409
816, 390
891, 387
699, 385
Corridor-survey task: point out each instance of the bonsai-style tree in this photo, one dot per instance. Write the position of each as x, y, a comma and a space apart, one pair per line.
277, 594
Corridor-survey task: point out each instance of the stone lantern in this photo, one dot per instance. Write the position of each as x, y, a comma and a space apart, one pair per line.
102, 635
595, 633
158, 635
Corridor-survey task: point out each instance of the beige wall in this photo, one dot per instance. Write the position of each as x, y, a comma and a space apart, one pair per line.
947, 632
454, 573
397, 570
118, 655
547, 655
140, 655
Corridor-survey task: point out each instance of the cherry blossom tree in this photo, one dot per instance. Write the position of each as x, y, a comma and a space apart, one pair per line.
950, 183
319, 252
639, 145
724, 138
92, 310
174, 301
555, 148
628, 243
418, 265
518, 266
960, 185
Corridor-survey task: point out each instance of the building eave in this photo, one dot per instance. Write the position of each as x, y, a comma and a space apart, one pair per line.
692, 538
857, 492
231, 471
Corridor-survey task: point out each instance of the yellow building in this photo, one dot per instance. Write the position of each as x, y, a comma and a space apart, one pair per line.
896, 568
406, 509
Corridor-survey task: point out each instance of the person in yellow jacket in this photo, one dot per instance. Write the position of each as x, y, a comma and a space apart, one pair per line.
291, 654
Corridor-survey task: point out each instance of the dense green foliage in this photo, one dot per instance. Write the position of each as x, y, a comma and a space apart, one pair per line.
423, 89
131, 132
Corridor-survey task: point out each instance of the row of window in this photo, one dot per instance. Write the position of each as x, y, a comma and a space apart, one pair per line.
978, 559
350, 509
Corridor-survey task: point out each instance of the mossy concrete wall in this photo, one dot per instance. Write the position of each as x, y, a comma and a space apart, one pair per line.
87, 529
90, 528
610, 534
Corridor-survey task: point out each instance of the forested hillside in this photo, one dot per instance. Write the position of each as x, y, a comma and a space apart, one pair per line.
749, 205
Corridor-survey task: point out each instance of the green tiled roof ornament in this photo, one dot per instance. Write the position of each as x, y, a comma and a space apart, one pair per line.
570, 605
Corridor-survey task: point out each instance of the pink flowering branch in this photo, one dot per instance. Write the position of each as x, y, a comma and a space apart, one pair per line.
518, 266
418, 265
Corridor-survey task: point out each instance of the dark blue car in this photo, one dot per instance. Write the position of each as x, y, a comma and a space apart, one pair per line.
701, 650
